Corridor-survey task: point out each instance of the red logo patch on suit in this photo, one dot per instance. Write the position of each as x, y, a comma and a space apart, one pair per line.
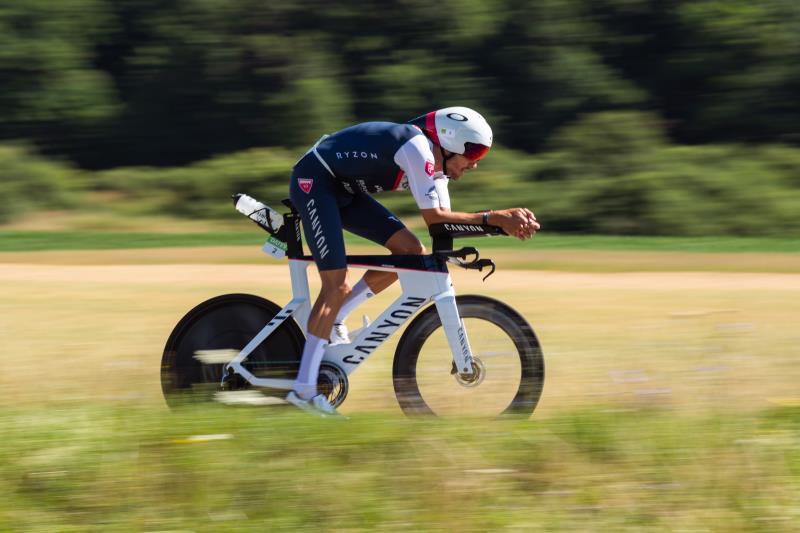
305, 184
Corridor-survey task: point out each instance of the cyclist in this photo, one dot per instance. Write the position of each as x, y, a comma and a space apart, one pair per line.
331, 187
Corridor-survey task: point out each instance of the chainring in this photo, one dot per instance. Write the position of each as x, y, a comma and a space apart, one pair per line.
333, 383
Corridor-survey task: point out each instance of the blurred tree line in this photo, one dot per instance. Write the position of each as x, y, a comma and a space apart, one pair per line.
624, 116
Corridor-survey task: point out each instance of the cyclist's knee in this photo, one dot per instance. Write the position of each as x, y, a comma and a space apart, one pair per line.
405, 243
410, 247
415, 249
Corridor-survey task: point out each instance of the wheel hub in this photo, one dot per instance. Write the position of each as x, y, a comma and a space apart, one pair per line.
230, 380
333, 383
477, 376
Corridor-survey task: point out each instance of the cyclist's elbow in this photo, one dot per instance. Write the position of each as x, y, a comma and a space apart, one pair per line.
434, 215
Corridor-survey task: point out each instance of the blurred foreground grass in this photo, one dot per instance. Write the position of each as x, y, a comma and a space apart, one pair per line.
210, 468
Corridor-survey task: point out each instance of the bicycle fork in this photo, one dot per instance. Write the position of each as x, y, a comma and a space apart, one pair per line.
455, 331
444, 297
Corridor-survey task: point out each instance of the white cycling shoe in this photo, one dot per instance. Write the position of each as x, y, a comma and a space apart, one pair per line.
317, 405
339, 335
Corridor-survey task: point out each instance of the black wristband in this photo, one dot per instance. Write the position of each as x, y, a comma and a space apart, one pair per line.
486, 218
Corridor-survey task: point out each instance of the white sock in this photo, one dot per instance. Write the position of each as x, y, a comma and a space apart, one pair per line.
306, 383
360, 293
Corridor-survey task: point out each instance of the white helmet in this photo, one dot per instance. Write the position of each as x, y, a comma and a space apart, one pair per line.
459, 130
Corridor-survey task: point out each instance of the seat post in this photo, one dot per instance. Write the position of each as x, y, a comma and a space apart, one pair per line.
294, 237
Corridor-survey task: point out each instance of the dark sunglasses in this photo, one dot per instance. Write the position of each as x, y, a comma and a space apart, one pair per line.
475, 152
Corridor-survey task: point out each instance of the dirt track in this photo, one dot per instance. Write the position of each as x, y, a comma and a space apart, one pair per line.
515, 279
525, 259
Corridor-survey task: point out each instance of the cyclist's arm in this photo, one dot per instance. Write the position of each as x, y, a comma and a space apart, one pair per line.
430, 192
429, 188
518, 221
438, 215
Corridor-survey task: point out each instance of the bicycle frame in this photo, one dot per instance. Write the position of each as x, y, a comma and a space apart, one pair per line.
419, 286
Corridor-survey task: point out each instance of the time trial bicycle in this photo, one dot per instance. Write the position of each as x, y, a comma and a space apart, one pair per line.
460, 355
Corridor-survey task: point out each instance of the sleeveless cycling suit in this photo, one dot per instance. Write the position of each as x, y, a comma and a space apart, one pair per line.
331, 185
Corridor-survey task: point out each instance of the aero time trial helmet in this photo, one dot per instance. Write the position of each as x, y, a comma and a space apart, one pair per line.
459, 130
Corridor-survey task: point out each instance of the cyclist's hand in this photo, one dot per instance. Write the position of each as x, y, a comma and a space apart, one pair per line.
518, 222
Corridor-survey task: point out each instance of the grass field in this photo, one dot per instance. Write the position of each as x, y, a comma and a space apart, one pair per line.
128, 468
671, 403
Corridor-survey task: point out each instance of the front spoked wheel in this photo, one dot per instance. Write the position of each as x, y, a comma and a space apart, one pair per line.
508, 367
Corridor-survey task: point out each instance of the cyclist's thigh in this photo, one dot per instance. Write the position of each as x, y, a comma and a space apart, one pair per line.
367, 218
315, 196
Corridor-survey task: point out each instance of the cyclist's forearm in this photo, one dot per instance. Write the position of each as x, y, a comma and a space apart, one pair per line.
437, 216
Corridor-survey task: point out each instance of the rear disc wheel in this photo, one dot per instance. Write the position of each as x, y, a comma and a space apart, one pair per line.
226, 324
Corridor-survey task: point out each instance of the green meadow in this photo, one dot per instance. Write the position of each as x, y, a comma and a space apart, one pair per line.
123, 468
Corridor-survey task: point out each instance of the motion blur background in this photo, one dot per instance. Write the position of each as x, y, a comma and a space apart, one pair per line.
658, 142
610, 116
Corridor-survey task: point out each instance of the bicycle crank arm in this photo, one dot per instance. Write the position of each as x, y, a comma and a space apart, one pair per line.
234, 370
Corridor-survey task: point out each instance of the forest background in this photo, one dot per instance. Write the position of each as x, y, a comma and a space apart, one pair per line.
610, 116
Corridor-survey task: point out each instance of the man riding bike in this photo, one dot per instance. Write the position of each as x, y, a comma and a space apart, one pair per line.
331, 187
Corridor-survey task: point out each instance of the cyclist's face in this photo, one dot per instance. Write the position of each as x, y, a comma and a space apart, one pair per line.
458, 164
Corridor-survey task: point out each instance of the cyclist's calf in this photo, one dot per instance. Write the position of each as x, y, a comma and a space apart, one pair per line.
335, 289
